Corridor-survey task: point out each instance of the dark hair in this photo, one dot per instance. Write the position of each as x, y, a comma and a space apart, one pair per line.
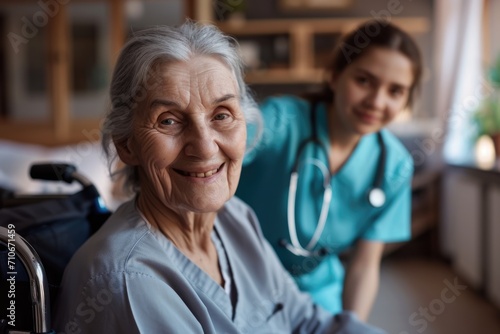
374, 33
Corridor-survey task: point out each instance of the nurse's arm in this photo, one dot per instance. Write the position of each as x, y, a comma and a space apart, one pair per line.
362, 278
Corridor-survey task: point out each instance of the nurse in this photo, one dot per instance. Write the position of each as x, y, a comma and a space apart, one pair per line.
336, 143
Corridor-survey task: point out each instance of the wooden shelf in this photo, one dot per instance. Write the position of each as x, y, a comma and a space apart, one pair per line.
301, 33
284, 76
43, 133
413, 25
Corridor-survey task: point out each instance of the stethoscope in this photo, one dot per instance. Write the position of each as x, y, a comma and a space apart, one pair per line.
376, 195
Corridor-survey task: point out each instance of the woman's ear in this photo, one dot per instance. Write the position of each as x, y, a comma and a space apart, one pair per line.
125, 152
332, 81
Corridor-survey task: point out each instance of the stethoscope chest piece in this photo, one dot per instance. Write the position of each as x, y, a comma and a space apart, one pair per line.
376, 197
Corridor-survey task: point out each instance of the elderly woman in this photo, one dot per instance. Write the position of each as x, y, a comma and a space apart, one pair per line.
184, 256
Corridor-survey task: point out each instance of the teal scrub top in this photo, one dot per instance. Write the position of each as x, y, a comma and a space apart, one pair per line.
265, 181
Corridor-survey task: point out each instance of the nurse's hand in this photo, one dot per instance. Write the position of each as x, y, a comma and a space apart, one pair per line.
349, 323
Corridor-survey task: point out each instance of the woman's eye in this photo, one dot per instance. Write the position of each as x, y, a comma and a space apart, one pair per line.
396, 92
362, 80
168, 121
220, 117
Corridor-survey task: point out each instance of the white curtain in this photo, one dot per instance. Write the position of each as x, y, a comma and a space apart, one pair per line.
460, 83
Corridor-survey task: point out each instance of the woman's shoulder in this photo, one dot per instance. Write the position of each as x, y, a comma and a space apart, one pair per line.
236, 207
113, 246
286, 120
394, 144
284, 105
237, 212
285, 100
399, 163
285, 116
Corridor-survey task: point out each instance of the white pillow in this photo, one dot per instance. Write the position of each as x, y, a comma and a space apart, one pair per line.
15, 159
88, 158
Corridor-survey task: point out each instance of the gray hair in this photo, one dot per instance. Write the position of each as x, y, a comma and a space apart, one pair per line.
133, 77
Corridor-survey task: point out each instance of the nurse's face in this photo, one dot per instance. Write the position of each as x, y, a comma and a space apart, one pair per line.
372, 90
189, 136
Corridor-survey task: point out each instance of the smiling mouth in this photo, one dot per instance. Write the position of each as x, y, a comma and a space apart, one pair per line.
367, 117
200, 174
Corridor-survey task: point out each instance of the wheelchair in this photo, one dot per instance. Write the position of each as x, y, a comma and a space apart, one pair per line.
38, 236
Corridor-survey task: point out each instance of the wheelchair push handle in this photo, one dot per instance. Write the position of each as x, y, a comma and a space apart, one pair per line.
38, 280
57, 172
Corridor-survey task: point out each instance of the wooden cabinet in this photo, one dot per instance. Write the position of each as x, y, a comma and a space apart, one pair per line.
300, 39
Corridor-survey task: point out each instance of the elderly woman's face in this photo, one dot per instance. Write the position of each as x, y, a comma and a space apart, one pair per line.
189, 136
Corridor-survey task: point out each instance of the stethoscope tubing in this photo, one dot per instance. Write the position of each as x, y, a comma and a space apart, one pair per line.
297, 248
376, 195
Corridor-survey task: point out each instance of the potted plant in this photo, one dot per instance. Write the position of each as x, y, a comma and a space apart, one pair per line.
487, 116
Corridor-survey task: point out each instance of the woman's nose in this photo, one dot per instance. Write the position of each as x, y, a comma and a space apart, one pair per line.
376, 99
201, 141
